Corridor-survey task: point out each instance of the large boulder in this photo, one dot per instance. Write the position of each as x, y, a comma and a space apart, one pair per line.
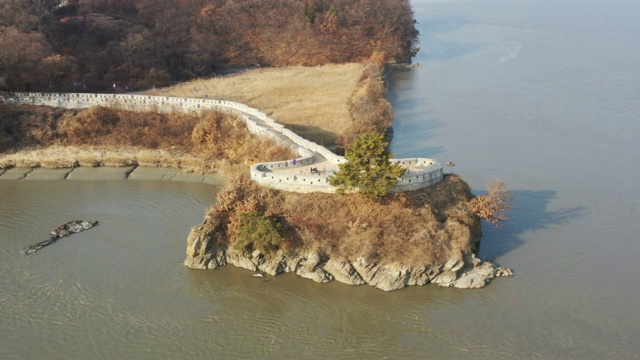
343, 271
310, 267
241, 259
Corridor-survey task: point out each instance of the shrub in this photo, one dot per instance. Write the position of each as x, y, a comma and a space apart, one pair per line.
491, 207
259, 232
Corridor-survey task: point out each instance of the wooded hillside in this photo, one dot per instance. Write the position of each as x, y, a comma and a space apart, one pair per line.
89, 45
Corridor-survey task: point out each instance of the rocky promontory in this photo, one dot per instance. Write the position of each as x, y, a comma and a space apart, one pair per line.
414, 238
467, 273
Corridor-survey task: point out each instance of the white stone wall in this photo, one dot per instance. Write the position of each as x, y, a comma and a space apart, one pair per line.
424, 172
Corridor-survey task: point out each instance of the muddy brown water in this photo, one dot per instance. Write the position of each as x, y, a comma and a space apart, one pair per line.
539, 93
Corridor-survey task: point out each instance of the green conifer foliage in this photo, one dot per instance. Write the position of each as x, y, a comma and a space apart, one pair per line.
368, 169
259, 232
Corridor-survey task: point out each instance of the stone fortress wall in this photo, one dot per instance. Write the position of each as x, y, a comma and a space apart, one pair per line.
285, 175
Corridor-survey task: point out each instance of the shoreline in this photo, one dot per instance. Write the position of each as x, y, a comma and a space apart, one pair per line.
138, 173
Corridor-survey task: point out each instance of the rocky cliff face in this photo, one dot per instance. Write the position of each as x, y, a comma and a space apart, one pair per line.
412, 238
466, 271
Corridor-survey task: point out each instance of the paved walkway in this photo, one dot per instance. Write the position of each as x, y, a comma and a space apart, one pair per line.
421, 172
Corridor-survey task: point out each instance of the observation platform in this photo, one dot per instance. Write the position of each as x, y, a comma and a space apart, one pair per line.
307, 173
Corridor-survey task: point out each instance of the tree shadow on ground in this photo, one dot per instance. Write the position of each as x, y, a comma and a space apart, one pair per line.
528, 213
314, 133
412, 133
413, 126
15, 124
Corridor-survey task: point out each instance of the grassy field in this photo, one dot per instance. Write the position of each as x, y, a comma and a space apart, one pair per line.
330, 105
312, 101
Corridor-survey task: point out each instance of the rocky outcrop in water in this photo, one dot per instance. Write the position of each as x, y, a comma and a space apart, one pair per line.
467, 272
66, 229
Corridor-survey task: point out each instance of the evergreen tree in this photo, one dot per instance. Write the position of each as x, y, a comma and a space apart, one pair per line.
367, 169
259, 232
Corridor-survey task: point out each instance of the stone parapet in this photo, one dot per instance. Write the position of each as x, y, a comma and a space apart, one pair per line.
421, 172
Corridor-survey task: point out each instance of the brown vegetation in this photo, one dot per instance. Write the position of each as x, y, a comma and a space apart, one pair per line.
415, 227
108, 137
142, 43
492, 206
312, 101
329, 105
370, 111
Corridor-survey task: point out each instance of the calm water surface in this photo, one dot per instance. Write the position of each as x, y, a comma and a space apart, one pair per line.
542, 94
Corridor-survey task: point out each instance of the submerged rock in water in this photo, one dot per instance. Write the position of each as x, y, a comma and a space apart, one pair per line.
66, 229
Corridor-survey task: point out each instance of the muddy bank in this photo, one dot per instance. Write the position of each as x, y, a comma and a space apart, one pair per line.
108, 173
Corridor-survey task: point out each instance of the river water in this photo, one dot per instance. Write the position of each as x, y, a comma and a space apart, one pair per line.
542, 94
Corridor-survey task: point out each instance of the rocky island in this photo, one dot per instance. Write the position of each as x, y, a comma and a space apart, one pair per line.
412, 238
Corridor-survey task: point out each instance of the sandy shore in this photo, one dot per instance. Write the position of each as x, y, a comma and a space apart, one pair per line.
108, 173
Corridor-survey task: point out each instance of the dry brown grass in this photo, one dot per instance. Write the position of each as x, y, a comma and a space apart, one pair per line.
493, 205
330, 105
58, 156
57, 138
414, 227
312, 101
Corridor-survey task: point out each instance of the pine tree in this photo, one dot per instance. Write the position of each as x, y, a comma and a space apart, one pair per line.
367, 169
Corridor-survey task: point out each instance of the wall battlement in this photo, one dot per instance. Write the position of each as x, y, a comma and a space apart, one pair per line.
290, 175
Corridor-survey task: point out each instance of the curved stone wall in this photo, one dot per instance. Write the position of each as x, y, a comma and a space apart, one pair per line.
290, 175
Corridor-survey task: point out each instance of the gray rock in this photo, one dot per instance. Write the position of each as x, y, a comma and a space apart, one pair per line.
309, 268
366, 270
291, 263
453, 265
199, 262
317, 275
419, 276
391, 277
197, 242
445, 279
343, 272
503, 271
240, 259
60, 231
272, 266
476, 277
466, 272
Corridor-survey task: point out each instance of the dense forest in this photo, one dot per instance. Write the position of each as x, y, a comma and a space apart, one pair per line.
92, 45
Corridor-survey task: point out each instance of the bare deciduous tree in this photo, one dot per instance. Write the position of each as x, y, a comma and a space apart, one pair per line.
491, 207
